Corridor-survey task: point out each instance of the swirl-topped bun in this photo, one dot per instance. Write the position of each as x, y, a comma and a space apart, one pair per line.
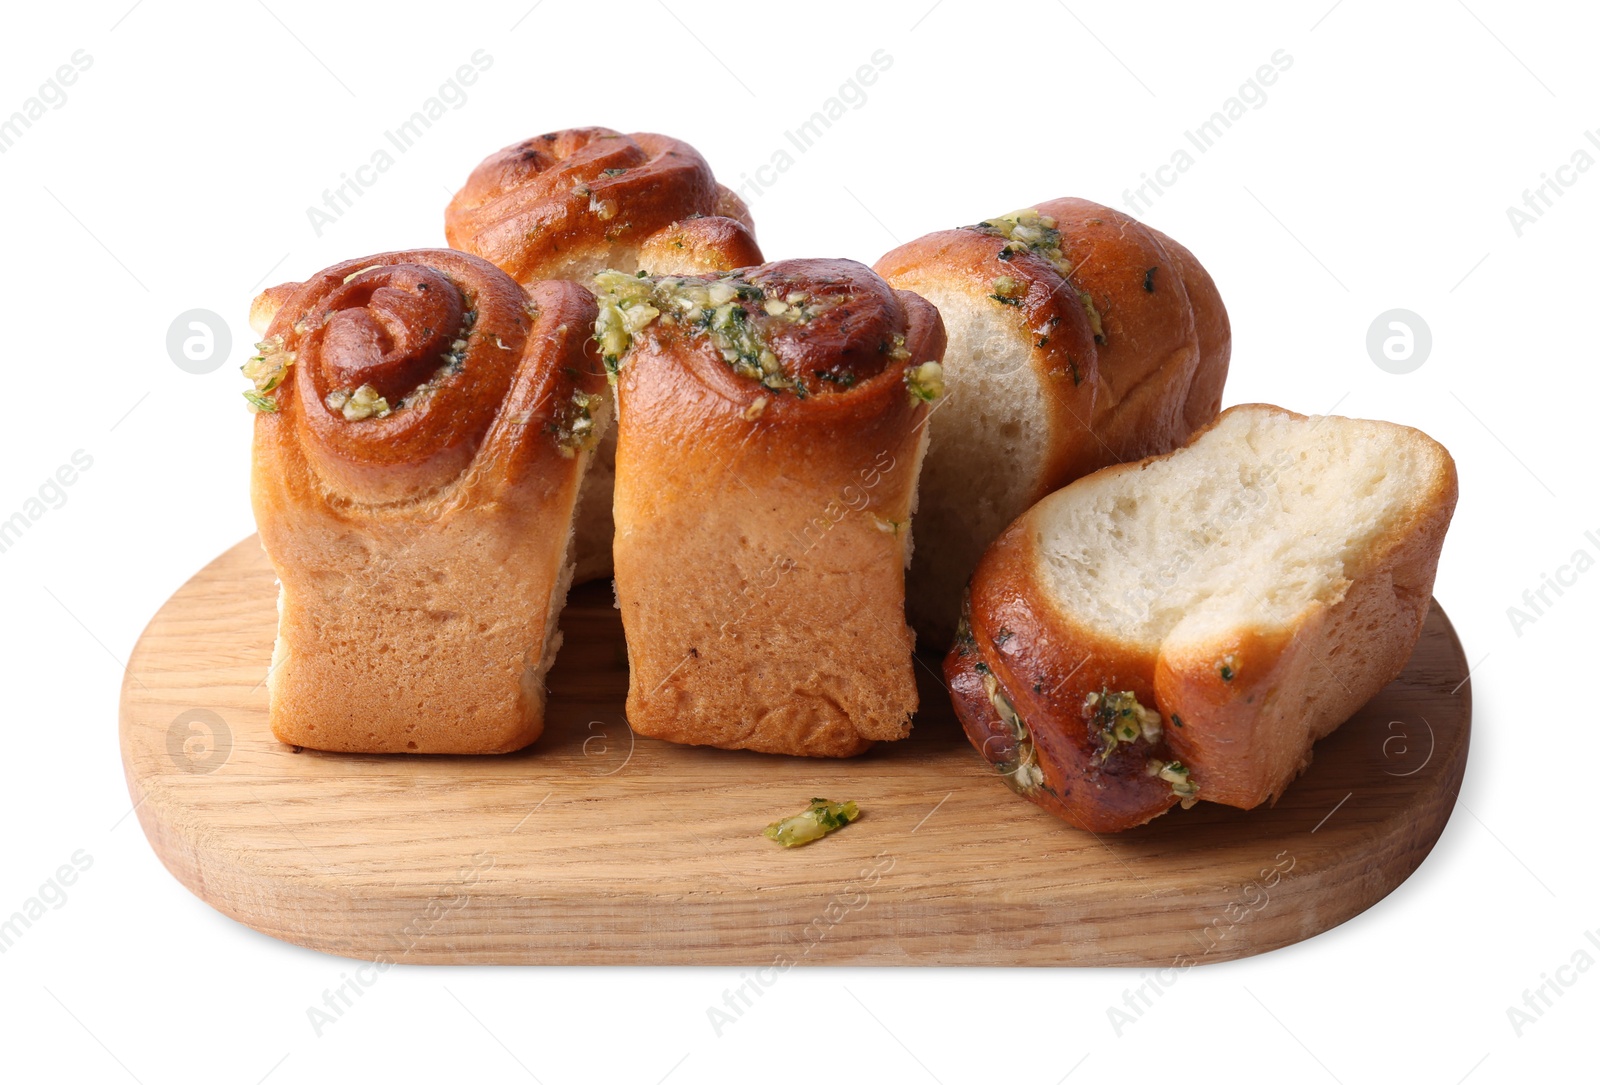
567, 204
401, 363
424, 425
770, 431
1078, 338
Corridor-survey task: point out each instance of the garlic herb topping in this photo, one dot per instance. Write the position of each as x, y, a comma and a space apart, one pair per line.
364, 402
266, 370
574, 428
1006, 291
1022, 772
715, 307
625, 310
1027, 231
453, 360
1174, 773
925, 381
1119, 717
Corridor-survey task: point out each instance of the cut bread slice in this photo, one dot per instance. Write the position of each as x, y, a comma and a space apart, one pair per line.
1186, 627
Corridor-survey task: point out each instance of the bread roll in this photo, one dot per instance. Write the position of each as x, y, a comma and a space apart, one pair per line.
424, 424
1078, 338
770, 432
568, 204
1185, 627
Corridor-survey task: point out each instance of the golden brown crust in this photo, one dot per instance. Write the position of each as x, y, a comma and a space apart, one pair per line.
1212, 331
1243, 734
731, 206
421, 553
1047, 666
760, 534
567, 204
1153, 299
699, 246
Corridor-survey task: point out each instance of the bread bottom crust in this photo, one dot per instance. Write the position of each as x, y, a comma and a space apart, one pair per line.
412, 639
800, 647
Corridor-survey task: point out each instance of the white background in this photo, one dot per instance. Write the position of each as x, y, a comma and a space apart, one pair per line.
1376, 175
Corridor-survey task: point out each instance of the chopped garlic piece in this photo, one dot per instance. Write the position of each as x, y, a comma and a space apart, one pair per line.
926, 381
363, 403
815, 822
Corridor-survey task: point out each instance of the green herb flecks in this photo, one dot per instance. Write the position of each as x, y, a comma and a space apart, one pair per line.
1027, 231
732, 312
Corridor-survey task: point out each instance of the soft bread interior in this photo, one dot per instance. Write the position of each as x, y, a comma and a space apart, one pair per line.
590, 460
593, 524
987, 455
1265, 515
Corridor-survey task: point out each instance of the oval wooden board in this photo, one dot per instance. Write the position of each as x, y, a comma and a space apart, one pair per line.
596, 847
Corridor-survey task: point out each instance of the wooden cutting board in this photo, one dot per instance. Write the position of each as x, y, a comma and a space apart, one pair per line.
596, 847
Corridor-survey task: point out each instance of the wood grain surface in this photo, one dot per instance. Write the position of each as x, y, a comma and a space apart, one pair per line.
597, 847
